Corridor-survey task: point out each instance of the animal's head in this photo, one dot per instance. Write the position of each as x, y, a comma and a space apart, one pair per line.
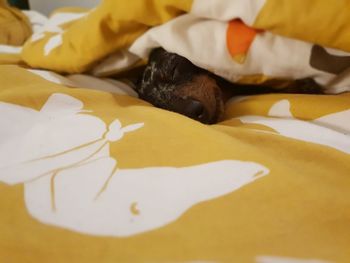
172, 82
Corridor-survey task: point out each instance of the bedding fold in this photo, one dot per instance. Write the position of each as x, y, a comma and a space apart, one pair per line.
14, 25
250, 42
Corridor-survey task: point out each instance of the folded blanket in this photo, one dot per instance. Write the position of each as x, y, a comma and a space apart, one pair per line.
243, 41
242, 54
14, 26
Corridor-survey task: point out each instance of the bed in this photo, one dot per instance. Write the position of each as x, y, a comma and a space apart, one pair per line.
91, 173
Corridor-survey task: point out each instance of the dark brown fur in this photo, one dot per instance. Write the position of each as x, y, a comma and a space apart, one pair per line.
172, 82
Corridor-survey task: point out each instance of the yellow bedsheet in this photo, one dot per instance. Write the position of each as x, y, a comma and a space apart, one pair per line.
91, 173
88, 176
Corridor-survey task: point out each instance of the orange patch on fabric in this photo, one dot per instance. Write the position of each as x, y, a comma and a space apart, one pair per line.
239, 37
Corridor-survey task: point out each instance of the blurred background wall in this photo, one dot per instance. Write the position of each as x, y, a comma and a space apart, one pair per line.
46, 6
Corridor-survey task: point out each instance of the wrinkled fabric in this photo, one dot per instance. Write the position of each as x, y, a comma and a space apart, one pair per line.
14, 26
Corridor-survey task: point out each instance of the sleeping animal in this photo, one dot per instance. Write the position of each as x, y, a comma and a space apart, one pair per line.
172, 82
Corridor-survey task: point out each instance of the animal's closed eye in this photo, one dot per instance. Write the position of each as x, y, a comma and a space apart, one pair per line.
175, 72
181, 72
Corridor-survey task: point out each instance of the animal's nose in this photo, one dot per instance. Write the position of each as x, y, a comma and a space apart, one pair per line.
196, 110
191, 108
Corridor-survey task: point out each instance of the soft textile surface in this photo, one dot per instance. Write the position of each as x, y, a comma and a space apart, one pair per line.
91, 173
14, 26
93, 177
244, 55
243, 41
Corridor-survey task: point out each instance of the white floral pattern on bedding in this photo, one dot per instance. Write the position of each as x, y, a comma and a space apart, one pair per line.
330, 130
70, 179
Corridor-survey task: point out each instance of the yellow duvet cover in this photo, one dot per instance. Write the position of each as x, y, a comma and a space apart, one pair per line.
91, 173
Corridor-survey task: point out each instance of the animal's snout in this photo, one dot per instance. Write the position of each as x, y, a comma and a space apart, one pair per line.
172, 82
205, 101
